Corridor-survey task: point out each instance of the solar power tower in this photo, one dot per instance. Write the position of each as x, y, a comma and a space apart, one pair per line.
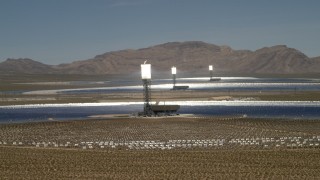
210, 69
146, 80
174, 72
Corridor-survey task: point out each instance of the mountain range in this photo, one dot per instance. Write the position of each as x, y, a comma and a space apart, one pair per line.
190, 56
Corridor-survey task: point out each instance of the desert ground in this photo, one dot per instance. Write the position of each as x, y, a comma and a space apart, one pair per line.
161, 148
11, 86
177, 147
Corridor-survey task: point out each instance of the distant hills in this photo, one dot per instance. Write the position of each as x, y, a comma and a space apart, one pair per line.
191, 57
25, 65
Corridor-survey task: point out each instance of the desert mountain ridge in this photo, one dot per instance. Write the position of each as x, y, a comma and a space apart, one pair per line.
190, 56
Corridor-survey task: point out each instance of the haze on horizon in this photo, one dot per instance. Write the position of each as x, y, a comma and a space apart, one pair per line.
61, 31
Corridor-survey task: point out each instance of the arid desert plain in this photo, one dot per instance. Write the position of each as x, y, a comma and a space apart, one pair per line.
184, 146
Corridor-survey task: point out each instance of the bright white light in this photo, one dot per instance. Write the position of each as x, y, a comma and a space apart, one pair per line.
146, 71
210, 67
181, 103
174, 70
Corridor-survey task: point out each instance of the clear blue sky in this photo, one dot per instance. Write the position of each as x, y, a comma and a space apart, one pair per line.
62, 31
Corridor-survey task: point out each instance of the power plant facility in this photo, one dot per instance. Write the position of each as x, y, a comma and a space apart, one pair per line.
146, 81
148, 109
174, 72
175, 87
211, 74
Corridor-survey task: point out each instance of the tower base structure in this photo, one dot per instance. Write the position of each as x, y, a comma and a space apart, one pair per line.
213, 78
147, 111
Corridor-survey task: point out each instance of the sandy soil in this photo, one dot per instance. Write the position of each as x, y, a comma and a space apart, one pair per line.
159, 96
155, 148
158, 148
